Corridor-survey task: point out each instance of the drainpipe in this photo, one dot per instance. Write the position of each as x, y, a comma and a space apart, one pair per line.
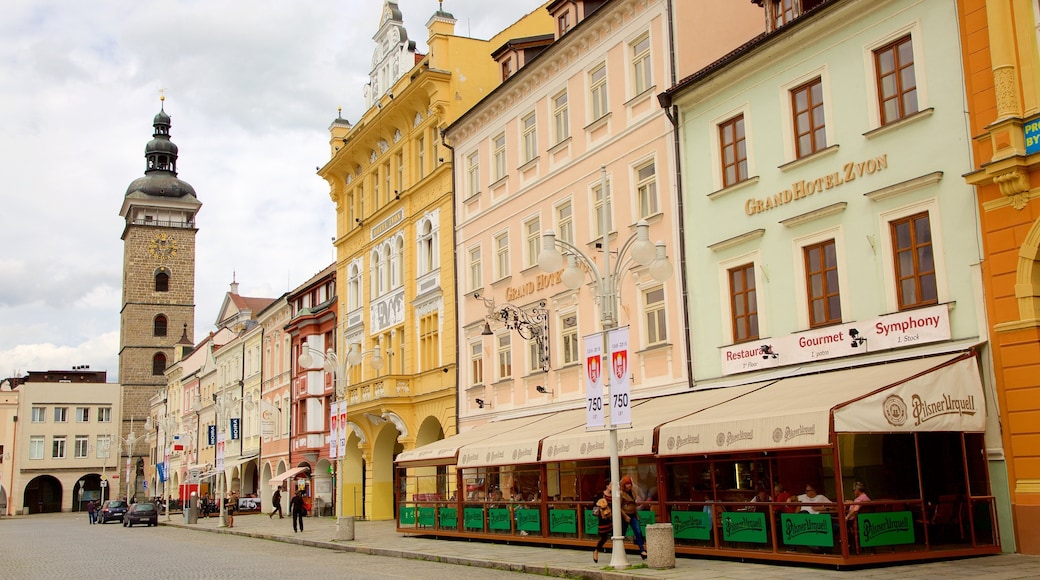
455, 268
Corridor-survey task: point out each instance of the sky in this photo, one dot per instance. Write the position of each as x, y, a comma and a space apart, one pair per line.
251, 88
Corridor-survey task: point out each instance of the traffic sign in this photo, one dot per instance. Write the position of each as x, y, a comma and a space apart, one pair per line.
104, 483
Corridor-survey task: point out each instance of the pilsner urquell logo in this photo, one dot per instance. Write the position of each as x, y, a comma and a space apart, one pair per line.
794, 529
562, 517
875, 526
801, 431
947, 405
736, 525
732, 438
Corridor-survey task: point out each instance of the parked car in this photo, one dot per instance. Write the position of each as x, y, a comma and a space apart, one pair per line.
112, 511
141, 513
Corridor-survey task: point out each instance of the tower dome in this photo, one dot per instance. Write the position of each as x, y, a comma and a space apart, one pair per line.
160, 174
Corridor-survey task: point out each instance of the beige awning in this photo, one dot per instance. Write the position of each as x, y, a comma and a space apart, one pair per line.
445, 451
278, 479
582, 443
519, 446
796, 411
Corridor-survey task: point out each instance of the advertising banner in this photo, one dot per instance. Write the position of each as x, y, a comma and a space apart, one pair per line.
342, 429
236, 428
620, 383
594, 380
805, 529
333, 430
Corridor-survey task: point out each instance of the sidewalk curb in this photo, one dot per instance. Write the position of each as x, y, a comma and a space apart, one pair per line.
541, 570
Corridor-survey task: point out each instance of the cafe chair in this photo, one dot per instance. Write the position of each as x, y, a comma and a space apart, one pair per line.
948, 514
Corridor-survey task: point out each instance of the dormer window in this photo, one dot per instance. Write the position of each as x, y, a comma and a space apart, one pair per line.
563, 23
781, 12
507, 68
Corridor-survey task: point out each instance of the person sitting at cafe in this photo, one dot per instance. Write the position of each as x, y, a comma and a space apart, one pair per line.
811, 499
860, 492
761, 496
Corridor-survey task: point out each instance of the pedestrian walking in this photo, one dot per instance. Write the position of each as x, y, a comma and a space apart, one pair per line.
92, 512
605, 521
297, 510
276, 501
630, 514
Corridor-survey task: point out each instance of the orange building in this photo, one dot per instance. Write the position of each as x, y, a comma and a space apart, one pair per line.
1002, 68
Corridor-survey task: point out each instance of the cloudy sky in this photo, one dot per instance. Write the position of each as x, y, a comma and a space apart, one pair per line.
251, 88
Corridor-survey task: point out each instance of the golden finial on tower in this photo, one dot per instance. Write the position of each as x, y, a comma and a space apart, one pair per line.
162, 98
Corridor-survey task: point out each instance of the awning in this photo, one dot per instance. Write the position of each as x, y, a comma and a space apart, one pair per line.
278, 479
227, 465
516, 447
796, 411
582, 443
445, 451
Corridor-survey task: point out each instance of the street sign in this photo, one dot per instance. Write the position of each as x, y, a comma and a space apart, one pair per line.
104, 483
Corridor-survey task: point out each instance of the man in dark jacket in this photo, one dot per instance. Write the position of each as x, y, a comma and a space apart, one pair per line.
276, 501
297, 510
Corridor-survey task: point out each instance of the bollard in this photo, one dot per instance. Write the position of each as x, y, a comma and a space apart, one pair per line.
660, 546
344, 529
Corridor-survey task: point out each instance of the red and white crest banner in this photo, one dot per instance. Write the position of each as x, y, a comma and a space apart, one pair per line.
594, 380
620, 384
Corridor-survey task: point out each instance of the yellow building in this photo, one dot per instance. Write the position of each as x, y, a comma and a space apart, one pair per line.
390, 178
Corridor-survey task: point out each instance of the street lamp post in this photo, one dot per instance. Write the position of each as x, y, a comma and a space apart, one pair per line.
222, 405
338, 369
130, 441
640, 251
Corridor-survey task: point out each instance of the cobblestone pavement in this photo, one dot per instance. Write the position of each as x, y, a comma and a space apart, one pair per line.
408, 556
65, 546
383, 539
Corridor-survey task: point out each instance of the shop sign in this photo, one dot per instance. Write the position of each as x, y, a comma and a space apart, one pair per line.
498, 519
473, 518
744, 527
563, 521
691, 525
407, 516
805, 529
449, 517
528, 520
804, 188
426, 516
886, 529
1032, 133
902, 329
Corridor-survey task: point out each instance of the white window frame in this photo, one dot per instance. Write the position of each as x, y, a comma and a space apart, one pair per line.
59, 447
726, 308
801, 292
39, 414
658, 313
473, 173
596, 197
36, 446
534, 356
648, 203
565, 223
641, 68
354, 281
427, 243
599, 98
504, 355
570, 343
787, 114
476, 362
561, 122
104, 414
529, 136
502, 255
476, 272
103, 447
931, 206
82, 414
420, 157
498, 147
533, 235
920, 68
61, 414
80, 446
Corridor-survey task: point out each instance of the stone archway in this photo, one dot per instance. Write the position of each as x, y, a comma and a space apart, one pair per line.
42, 495
1027, 280
429, 480
383, 496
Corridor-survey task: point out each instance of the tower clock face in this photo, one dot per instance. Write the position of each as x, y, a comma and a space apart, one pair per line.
162, 247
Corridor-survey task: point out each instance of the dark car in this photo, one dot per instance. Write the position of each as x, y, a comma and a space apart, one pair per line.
141, 513
111, 511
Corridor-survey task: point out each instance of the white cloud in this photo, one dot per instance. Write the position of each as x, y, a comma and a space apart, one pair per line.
251, 89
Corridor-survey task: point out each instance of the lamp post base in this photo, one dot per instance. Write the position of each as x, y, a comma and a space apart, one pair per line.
344, 529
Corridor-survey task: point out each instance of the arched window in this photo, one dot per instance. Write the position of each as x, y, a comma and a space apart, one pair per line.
162, 282
354, 287
159, 326
397, 263
384, 269
374, 273
158, 363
